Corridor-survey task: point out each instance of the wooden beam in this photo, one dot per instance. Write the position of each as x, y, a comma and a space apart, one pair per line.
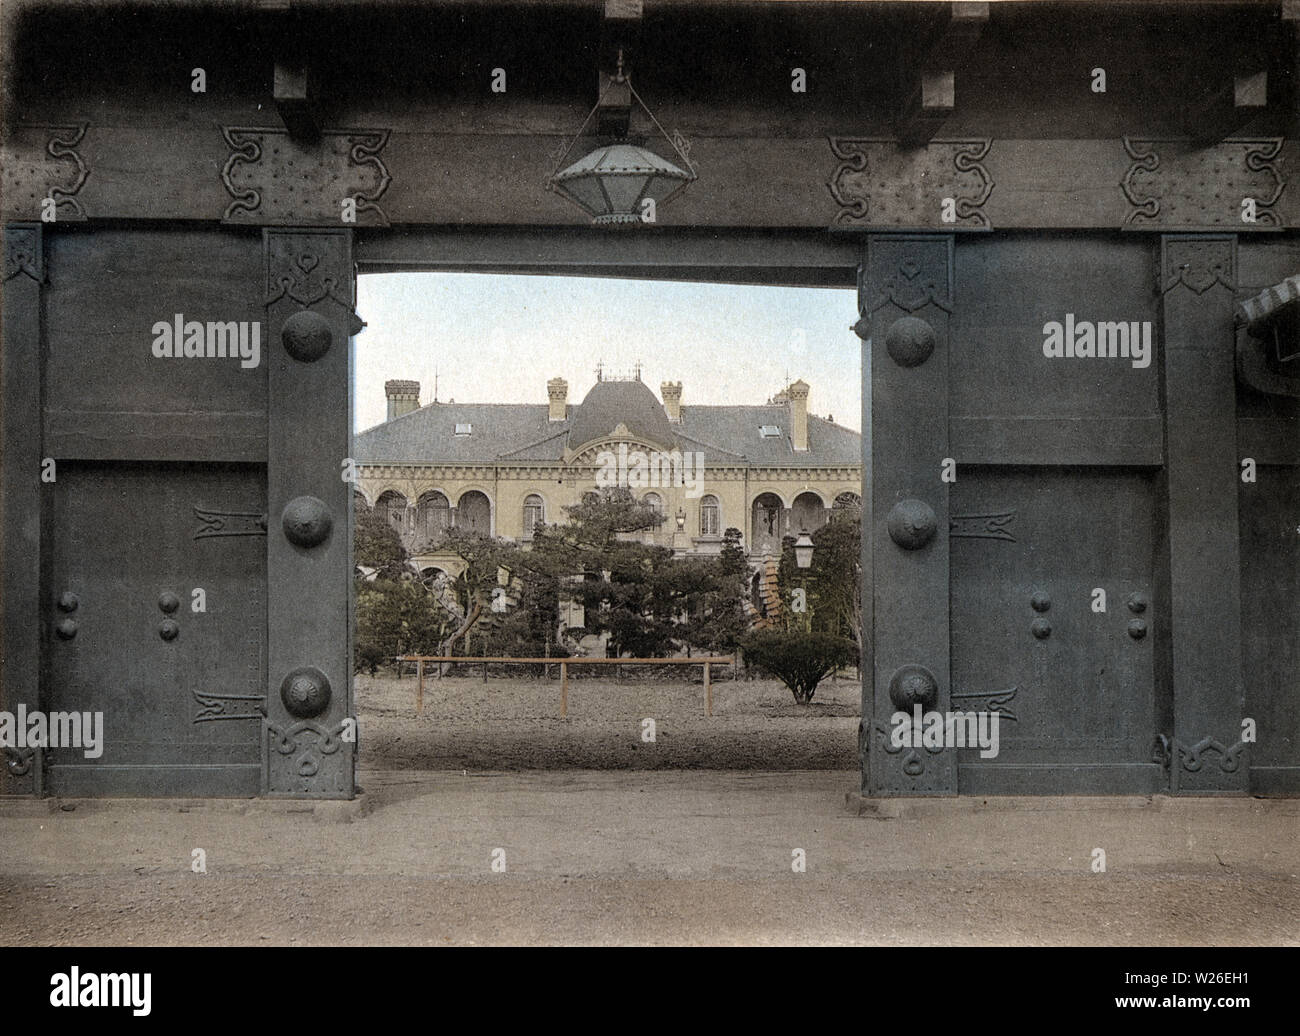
931, 98
620, 33
296, 101
929, 86
1198, 630
26, 612
1226, 107
1291, 21
966, 22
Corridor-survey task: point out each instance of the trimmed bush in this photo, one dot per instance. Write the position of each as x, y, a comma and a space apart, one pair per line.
799, 660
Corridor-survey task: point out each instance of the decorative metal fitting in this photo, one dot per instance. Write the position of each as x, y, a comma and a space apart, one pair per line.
911, 524
910, 341
305, 692
1041, 601
169, 629
66, 630
1137, 629
168, 602
307, 521
1041, 628
68, 601
307, 336
1137, 602
913, 685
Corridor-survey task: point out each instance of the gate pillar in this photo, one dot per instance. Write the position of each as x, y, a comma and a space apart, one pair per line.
1199, 558
20, 583
904, 296
310, 733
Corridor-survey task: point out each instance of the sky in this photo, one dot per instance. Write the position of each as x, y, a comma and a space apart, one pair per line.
497, 338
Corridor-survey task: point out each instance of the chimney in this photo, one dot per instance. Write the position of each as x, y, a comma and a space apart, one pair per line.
672, 393
403, 397
557, 391
798, 396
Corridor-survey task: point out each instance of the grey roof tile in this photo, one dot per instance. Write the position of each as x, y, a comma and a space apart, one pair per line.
524, 432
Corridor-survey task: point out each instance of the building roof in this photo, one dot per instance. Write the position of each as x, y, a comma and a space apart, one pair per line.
524, 433
613, 403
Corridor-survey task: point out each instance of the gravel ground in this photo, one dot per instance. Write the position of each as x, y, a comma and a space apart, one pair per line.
514, 724
699, 857
690, 854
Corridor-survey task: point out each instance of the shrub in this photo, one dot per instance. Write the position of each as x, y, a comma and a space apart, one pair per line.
799, 660
370, 656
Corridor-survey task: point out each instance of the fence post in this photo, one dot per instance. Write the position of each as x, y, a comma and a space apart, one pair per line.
419, 694
708, 692
564, 689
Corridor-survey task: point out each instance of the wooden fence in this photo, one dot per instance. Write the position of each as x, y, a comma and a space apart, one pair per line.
708, 661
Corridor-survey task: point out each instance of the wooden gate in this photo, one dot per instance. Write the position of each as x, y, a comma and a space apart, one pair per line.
1054, 538
178, 533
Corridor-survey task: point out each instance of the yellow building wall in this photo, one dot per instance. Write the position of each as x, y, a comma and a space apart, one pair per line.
559, 486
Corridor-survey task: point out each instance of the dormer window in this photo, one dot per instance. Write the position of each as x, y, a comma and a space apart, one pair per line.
769, 431
464, 429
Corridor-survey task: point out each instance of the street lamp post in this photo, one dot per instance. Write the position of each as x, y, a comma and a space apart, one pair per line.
803, 549
803, 552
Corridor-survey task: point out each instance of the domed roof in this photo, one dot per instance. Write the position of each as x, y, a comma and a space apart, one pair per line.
613, 403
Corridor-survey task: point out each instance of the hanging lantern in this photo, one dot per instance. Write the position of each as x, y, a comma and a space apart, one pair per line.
612, 182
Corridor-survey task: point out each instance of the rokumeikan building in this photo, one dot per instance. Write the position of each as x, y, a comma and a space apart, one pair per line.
769, 470
1071, 229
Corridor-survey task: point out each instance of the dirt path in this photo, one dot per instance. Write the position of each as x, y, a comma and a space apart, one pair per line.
601, 858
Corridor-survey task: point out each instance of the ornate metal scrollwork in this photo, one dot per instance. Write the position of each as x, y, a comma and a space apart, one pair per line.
996, 526
18, 761
1192, 758
229, 523
213, 707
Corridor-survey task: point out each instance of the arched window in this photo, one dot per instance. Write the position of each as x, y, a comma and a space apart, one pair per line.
392, 505
808, 513
474, 513
655, 501
433, 517
847, 506
534, 514
769, 521
710, 516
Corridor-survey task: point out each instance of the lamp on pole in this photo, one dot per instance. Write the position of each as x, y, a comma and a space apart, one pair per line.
803, 549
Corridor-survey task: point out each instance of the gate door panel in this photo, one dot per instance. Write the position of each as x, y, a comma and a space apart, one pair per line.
181, 691
1031, 548
186, 434
1270, 622
1009, 480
